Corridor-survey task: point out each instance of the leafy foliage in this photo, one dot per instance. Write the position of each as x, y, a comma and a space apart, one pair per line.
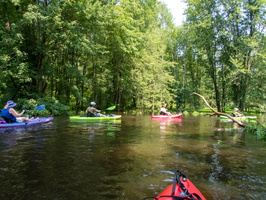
258, 130
226, 38
51, 105
65, 54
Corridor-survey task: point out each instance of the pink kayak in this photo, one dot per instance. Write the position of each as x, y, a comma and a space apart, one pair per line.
166, 116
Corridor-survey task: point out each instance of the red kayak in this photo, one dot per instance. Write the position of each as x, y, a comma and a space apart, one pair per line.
166, 116
181, 189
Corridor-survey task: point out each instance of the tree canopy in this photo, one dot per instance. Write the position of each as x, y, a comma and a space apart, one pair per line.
130, 53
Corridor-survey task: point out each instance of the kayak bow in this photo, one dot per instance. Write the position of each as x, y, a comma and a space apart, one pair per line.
181, 189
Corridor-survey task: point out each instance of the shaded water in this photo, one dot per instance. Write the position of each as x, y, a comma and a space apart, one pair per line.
129, 159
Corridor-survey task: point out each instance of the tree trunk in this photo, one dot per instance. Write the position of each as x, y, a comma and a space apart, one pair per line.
219, 113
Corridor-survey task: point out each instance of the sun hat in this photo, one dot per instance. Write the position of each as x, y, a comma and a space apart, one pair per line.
93, 103
11, 104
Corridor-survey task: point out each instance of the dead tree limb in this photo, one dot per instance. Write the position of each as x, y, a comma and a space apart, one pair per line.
220, 113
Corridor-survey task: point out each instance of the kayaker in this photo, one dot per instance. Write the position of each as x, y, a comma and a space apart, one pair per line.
163, 110
236, 113
9, 113
91, 111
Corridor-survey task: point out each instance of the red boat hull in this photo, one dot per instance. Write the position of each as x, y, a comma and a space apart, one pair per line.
166, 116
178, 191
182, 188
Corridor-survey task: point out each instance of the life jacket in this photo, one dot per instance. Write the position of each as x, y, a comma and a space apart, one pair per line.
233, 114
89, 114
9, 118
163, 113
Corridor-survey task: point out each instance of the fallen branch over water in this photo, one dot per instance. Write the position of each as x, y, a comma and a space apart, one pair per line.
220, 113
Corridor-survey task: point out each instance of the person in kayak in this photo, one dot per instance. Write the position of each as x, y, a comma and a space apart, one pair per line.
91, 111
236, 113
163, 110
11, 115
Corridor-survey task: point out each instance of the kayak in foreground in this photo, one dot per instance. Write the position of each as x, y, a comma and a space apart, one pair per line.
29, 123
84, 118
181, 189
240, 118
166, 116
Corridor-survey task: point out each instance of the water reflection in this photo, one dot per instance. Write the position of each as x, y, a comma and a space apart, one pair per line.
168, 125
131, 158
96, 127
93, 128
9, 137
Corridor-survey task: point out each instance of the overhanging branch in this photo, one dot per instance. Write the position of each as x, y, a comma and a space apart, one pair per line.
219, 113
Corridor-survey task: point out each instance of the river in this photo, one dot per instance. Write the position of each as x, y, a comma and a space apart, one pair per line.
130, 159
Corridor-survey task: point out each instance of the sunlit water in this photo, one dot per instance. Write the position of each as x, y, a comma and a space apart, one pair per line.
129, 159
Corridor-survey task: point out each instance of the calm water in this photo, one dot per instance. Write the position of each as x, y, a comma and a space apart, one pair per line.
130, 159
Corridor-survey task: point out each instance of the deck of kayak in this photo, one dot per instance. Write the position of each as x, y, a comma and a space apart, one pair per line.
182, 188
166, 116
239, 118
29, 123
84, 118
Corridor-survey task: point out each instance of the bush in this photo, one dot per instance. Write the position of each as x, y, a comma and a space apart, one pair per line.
52, 107
258, 129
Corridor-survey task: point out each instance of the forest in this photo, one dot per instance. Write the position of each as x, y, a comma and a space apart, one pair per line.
129, 53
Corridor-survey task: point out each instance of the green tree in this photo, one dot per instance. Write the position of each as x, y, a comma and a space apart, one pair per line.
227, 37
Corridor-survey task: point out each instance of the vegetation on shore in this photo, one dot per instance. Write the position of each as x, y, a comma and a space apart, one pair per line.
131, 54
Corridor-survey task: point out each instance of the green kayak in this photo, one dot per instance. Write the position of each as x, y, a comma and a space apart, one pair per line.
84, 118
240, 118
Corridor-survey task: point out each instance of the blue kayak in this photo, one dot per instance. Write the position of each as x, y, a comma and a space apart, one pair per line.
35, 121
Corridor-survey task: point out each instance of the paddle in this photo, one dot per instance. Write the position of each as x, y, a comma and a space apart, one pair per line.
111, 108
40, 107
227, 108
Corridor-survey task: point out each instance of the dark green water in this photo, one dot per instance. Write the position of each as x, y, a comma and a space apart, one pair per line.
129, 159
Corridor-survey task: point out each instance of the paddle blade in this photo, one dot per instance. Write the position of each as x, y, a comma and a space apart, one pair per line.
111, 108
227, 108
40, 107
